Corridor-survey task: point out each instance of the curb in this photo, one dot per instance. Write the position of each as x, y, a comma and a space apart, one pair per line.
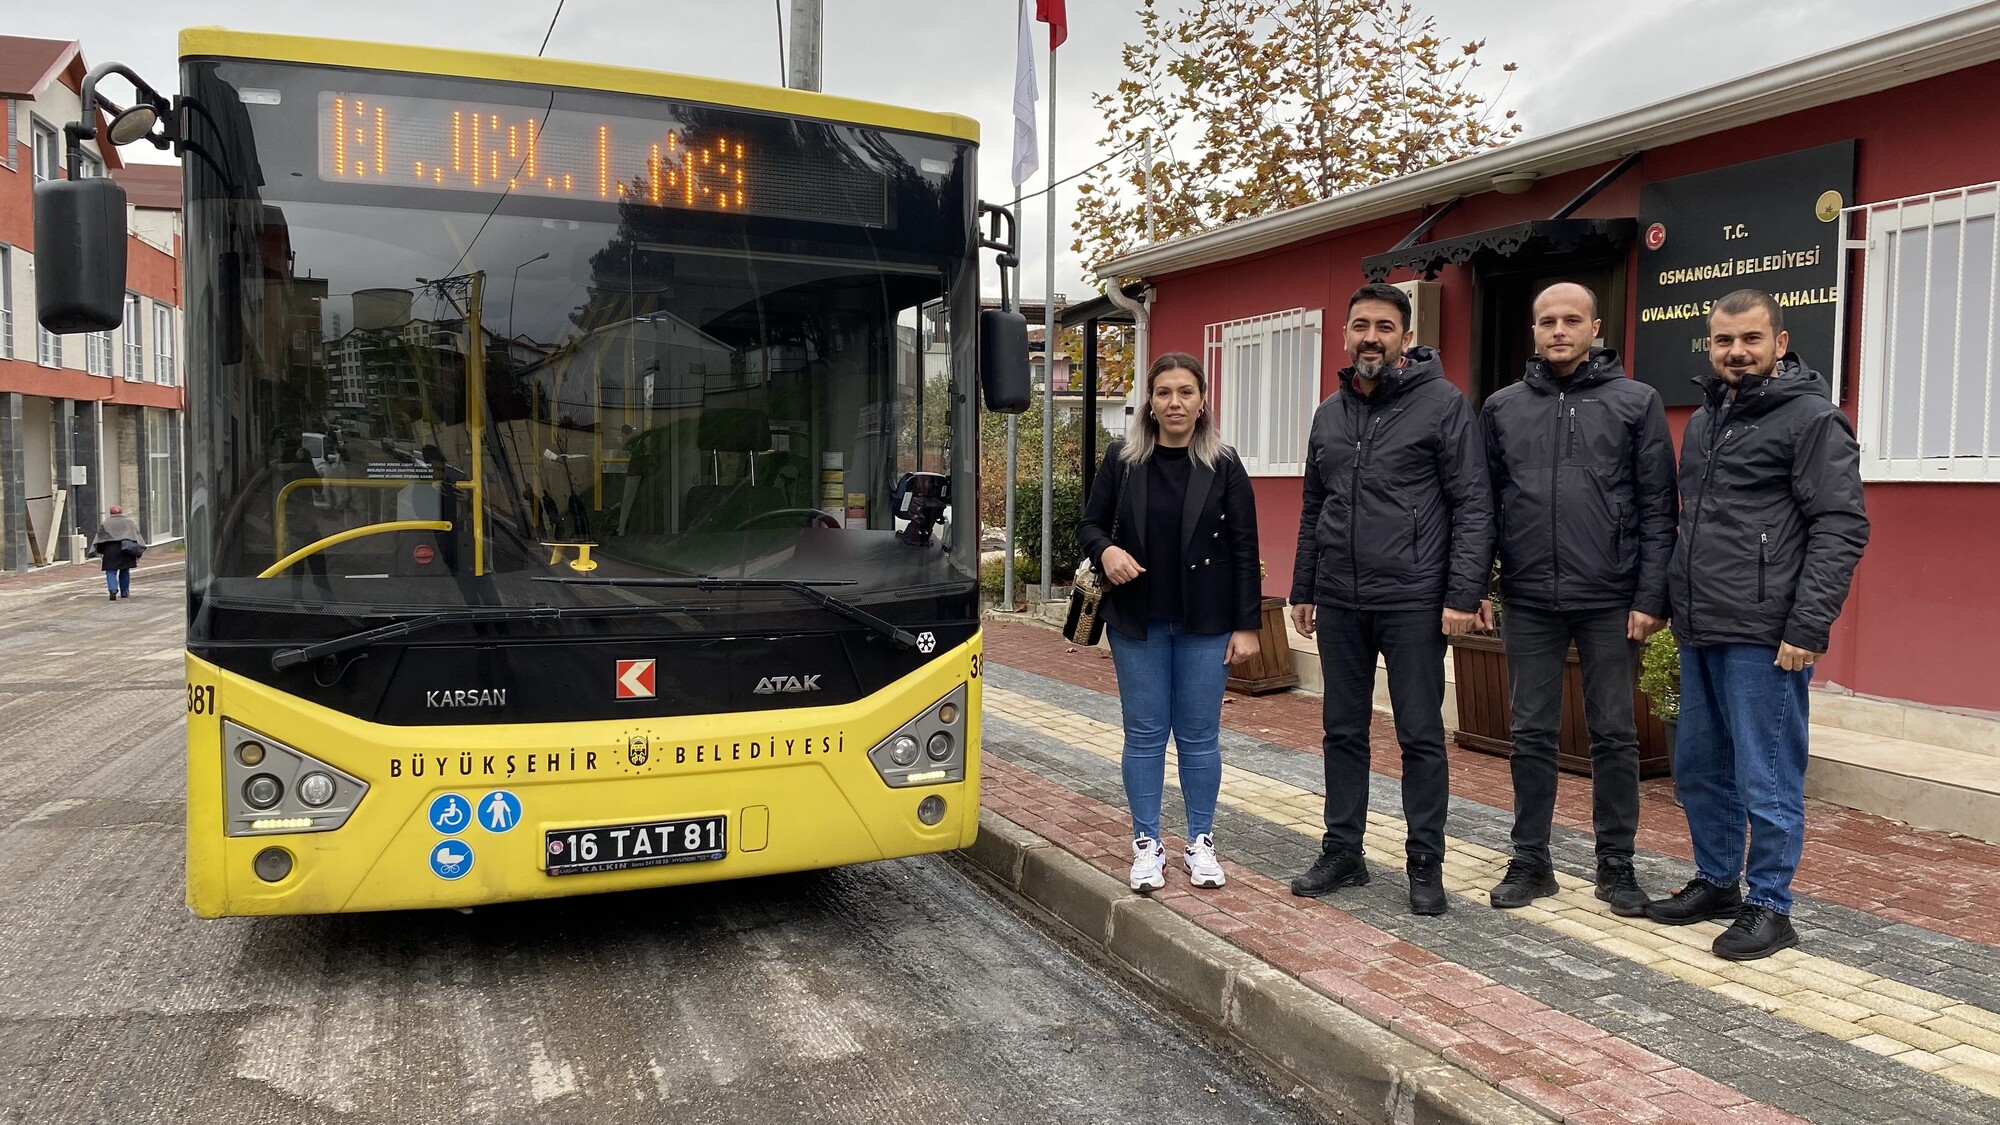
1367, 1072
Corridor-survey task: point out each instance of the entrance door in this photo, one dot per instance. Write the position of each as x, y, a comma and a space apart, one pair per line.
1504, 291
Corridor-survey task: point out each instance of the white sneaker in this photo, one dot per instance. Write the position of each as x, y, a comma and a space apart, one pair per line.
1149, 865
1202, 868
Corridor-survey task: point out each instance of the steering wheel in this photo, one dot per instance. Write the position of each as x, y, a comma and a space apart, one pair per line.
806, 517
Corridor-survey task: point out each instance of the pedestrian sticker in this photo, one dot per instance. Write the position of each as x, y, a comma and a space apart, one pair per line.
451, 859
499, 811
450, 813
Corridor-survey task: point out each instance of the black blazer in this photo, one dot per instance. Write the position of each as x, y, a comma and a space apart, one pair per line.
1221, 581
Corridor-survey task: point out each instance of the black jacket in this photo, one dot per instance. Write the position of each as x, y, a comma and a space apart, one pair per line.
1221, 587
1397, 513
1772, 523
1583, 488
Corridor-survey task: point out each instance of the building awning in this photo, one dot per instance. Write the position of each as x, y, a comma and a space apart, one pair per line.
1539, 236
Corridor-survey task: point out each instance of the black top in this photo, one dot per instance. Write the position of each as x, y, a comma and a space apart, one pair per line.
1166, 493
1217, 544
1397, 513
1583, 488
1772, 521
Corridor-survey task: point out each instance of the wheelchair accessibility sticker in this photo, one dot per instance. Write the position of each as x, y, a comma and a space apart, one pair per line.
451, 859
450, 813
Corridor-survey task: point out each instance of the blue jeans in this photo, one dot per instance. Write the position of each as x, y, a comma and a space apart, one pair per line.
119, 580
1740, 767
1171, 683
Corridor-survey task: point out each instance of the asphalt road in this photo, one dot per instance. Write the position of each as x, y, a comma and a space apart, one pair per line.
893, 992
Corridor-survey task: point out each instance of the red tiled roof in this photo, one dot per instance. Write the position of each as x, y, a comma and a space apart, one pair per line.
154, 187
27, 66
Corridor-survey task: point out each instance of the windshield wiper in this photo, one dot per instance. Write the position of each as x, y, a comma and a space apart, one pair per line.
289, 657
807, 589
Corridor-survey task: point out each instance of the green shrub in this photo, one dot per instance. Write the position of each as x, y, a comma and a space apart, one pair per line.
1660, 675
993, 577
1028, 528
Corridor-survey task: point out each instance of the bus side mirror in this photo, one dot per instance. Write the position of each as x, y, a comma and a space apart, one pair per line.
80, 255
1003, 360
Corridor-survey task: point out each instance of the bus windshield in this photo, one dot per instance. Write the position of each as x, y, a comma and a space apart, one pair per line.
434, 399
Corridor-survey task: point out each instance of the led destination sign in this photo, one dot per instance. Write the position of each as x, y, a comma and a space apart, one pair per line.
523, 150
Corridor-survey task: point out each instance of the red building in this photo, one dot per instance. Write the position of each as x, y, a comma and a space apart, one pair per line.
1875, 225
93, 419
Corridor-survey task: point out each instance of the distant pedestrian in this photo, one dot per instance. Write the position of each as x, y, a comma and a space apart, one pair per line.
1771, 528
1172, 525
1583, 488
117, 543
1395, 544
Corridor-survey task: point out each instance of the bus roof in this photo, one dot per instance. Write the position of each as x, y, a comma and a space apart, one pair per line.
215, 42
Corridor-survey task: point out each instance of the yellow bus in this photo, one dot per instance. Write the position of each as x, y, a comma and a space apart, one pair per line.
581, 473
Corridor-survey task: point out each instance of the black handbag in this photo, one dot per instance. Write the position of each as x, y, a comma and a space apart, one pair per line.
1085, 624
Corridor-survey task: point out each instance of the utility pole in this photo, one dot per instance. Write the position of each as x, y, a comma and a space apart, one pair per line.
803, 73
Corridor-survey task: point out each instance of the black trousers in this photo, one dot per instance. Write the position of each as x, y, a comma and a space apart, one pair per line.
1413, 646
1537, 643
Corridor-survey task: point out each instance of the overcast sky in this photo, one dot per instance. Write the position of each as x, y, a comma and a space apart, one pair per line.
1580, 60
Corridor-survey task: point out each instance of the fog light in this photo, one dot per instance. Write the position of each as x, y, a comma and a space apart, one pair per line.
931, 809
272, 865
948, 714
262, 791
250, 753
939, 747
316, 789
903, 751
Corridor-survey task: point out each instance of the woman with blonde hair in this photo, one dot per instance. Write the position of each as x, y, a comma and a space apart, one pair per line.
1172, 526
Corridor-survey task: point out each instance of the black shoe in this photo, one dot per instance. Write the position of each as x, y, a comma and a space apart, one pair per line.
114, 595
1331, 871
124, 593
1619, 886
1699, 901
1426, 886
1758, 931
1524, 883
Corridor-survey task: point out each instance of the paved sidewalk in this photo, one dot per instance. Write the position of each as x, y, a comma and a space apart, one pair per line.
1889, 1012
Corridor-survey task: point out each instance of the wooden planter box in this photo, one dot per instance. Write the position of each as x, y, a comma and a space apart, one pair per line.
1486, 717
1271, 668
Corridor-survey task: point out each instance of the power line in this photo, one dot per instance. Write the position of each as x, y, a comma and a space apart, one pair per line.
551, 30
1085, 172
779, 7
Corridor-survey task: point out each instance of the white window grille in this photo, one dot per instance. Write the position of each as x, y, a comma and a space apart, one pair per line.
6, 301
13, 130
1929, 408
135, 339
48, 153
48, 347
97, 353
1265, 379
163, 344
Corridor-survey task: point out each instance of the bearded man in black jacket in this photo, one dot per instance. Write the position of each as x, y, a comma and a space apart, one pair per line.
1771, 529
1395, 538
1583, 493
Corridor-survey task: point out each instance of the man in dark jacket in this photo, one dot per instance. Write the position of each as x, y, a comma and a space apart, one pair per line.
1394, 541
1771, 529
1583, 493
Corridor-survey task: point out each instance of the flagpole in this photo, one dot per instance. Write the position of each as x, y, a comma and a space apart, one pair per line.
1049, 354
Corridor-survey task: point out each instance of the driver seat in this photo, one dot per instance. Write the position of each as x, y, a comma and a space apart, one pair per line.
725, 507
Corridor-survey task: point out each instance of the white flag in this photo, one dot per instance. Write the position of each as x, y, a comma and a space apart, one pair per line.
1025, 160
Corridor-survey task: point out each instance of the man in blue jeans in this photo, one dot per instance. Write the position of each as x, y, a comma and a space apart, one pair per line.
1583, 490
1395, 534
1771, 529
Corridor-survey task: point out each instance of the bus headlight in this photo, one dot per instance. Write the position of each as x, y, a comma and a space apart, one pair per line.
316, 789
262, 791
270, 788
929, 749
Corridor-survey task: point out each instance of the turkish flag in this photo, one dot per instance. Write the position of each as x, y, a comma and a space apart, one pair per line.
1051, 12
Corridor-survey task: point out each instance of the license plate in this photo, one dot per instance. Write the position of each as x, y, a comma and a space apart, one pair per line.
624, 847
